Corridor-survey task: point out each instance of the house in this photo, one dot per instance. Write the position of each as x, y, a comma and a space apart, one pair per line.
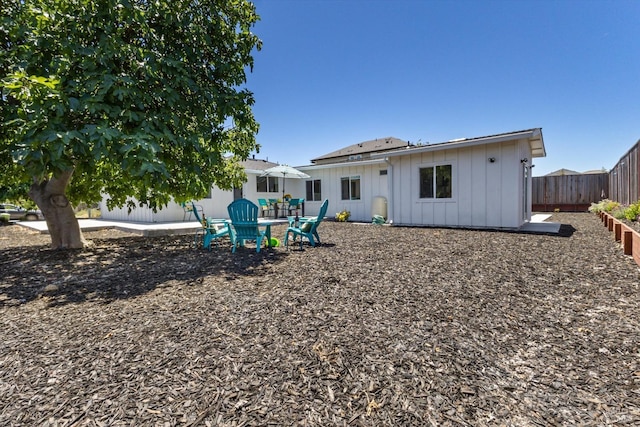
563, 172
214, 205
481, 182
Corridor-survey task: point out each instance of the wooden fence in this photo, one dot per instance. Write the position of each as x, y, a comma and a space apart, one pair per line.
568, 193
624, 178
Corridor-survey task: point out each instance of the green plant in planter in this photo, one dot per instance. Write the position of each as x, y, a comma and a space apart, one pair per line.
604, 205
619, 212
632, 212
343, 216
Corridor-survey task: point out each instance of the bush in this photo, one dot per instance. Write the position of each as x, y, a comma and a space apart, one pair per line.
343, 216
604, 205
619, 212
631, 213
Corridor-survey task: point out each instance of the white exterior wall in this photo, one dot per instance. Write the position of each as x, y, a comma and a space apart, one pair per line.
173, 212
294, 186
372, 185
484, 194
215, 206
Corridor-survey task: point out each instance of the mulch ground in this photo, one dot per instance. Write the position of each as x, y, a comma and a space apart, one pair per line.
378, 326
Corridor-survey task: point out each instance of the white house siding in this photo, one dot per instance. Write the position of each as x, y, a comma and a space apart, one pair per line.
216, 205
372, 185
142, 214
293, 186
484, 194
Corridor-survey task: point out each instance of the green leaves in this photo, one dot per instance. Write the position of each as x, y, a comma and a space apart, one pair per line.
132, 95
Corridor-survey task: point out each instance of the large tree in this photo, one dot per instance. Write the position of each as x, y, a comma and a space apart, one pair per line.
141, 100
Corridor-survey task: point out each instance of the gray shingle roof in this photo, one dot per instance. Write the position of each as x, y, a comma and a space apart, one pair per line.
374, 145
257, 164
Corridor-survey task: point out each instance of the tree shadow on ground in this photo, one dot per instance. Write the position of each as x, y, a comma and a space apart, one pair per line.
121, 268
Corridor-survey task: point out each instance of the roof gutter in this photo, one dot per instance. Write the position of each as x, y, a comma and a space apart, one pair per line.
534, 137
342, 164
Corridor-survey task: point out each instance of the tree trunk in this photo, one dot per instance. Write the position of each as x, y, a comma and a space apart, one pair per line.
61, 219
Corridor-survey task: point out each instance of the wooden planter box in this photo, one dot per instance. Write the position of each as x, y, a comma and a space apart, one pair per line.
628, 237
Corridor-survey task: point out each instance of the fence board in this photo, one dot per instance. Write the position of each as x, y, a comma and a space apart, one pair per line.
568, 192
624, 177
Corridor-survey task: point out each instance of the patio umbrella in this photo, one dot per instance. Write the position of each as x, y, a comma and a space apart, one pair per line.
285, 172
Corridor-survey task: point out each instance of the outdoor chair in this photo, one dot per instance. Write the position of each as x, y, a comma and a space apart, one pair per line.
189, 208
307, 228
265, 207
212, 230
244, 225
294, 205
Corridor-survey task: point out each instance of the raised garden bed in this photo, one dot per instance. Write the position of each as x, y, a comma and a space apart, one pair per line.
624, 233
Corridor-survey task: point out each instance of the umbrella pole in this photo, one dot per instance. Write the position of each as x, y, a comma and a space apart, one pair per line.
284, 179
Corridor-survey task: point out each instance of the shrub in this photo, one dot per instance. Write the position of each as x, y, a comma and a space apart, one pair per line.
631, 213
343, 216
619, 212
604, 205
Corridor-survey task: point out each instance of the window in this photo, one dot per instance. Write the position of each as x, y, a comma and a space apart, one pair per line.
435, 182
350, 188
267, 184
314, 191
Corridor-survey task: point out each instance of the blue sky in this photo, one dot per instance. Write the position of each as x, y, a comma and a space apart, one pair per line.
333, 73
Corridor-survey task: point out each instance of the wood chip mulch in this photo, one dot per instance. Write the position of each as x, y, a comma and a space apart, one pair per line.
378, 326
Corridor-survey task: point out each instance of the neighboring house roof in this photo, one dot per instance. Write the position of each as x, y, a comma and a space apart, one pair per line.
362, 150
534, 137
256, 165
562, 172
595, 171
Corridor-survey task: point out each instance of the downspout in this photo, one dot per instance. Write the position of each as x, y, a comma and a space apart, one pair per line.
389, 191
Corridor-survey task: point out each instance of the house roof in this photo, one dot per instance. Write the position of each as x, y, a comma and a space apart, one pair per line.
256, 165
374, 145
594, 171
534, 137
562, 172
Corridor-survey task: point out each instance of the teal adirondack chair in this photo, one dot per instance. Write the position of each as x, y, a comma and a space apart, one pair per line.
212, 230
294, 205
189, 208
308, 227
244, 224
265, 207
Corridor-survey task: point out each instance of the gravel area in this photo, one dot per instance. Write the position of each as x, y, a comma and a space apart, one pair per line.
378, 326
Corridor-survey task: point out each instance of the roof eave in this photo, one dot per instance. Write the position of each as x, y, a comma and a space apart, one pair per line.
534, 136
341, 164
536, 143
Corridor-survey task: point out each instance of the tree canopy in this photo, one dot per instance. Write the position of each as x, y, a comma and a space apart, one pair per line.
132, 98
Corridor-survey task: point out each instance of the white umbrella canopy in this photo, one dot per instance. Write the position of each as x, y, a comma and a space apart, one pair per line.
285, 172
